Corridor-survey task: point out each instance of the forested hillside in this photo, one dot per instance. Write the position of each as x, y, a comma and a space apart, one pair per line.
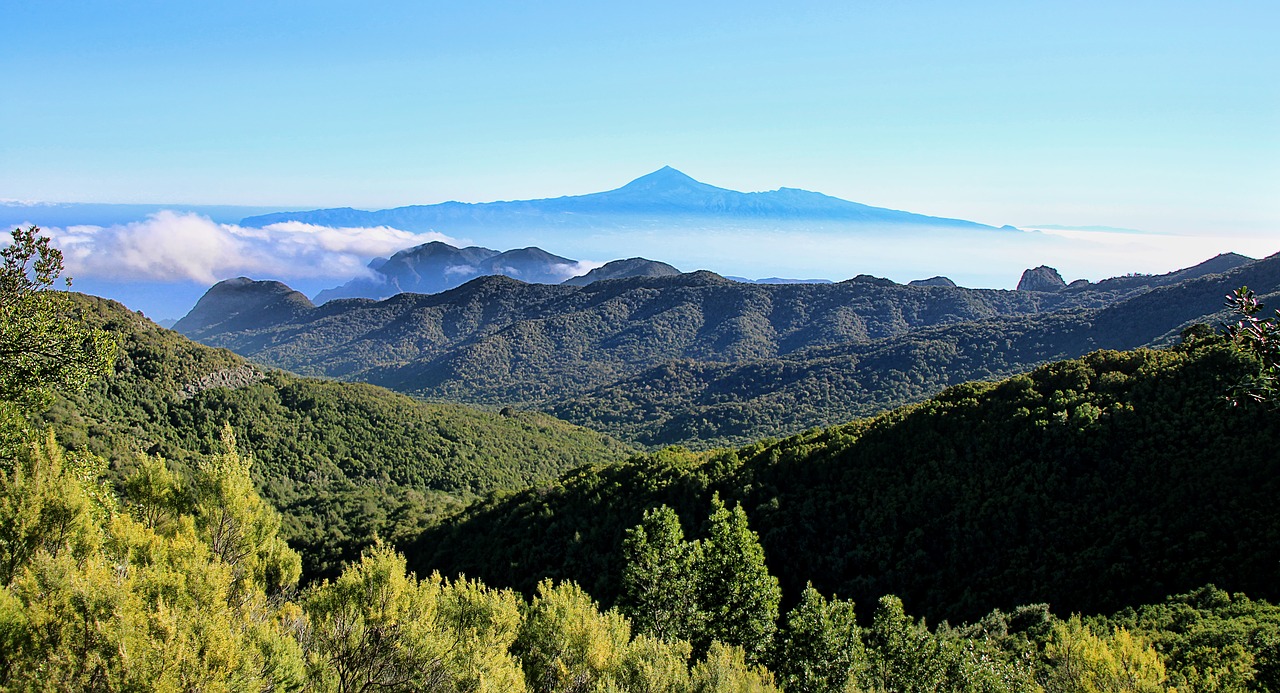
696, 359
1090, 484
343, 461
1099, 480
707, 404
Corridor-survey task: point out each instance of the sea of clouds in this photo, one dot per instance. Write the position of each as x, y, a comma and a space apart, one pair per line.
180, 246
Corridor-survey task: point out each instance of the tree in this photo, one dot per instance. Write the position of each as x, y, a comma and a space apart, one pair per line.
371, 630
659, 578
50, 502
1081, 661
903, 655
726, 668
567, 645
1260, 337
738, 595
241, 528
820, 648
43, 347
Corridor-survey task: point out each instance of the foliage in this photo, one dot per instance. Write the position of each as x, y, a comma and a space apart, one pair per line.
1211, 640
240, 528
820, 647
726, 669
567, 644
660, 578
1080, 660
346, 464
106, 602
1090, 484
377, 628
716, 589
738, 595
44, 348
1259, 337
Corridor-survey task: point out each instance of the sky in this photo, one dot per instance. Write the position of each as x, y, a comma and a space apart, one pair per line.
1159, 117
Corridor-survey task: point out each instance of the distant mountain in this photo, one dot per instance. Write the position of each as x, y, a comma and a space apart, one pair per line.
242, 304
701, 403
1214, 265
623, 269
663, 194
530, 265
425, 269
434, 267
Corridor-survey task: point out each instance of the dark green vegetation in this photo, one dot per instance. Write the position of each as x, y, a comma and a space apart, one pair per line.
173, 575
1090, 484
342, 461
699, 360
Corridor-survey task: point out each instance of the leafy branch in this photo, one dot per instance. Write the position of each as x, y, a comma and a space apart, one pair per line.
1259, 336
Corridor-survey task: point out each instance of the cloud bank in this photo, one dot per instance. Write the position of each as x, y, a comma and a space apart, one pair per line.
175, 246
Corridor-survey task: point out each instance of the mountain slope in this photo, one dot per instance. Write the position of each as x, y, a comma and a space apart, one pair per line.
1091, 484
683, 400
354, 458
698, 360
665, 193
501, 341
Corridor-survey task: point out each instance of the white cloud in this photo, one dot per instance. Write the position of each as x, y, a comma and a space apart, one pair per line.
577, 269
461, 271
174, 246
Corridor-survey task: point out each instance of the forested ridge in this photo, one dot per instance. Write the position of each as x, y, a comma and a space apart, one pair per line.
343, 461
701, 361
1090, 484
123, 570
710, 404
495, 337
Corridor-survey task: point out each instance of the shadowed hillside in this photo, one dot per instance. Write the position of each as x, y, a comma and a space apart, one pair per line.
1091, 484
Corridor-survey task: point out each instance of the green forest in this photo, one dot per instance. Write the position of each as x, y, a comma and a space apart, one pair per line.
173, 517
701, 361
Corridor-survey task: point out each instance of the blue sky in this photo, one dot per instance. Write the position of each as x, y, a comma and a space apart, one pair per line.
1163, 117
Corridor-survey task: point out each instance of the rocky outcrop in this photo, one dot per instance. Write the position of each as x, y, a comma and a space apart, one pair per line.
1042, 278
229, 378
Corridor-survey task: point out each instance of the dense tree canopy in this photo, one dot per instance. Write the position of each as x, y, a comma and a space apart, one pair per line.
44, 348
130, 571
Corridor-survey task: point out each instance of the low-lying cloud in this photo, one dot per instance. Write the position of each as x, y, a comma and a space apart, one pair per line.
177, 246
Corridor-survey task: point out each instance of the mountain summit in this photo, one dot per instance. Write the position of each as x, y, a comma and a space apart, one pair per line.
665, 197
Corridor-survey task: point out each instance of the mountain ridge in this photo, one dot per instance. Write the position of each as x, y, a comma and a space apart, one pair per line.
698, 359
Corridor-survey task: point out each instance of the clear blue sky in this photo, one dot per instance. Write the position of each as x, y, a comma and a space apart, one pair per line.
1161, 116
